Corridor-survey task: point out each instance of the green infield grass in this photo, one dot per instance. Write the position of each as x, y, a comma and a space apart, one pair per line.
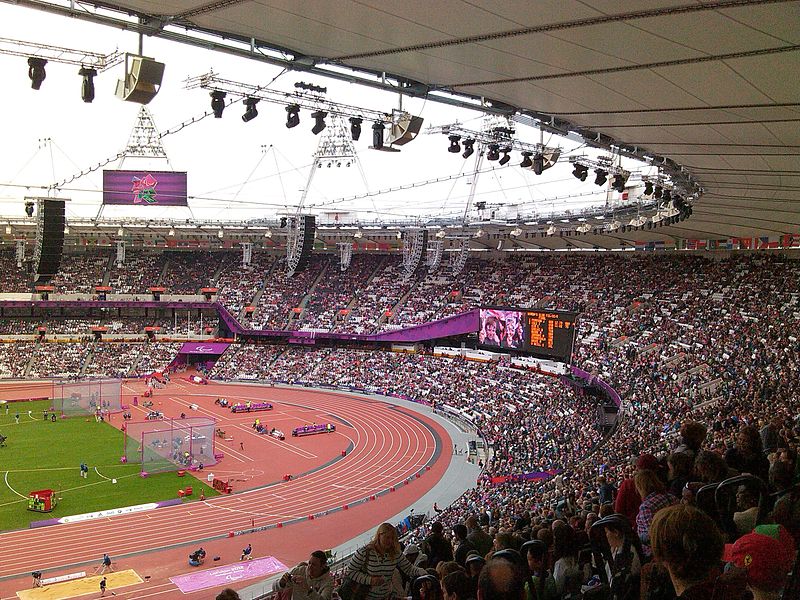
45, 455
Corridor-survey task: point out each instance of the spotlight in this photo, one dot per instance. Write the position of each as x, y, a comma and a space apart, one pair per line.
292, 116
87, 85
667, 195
36, 71
506, 156
526, 160
469, 148
29, 209
355, 127
580, 171
648, 188
618, 183
601, 177
494, 152
217, 103
538, 163
250, 112
319, 121
659, 191
377, 135
455, 146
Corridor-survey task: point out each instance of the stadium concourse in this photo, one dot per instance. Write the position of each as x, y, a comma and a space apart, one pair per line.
702, 348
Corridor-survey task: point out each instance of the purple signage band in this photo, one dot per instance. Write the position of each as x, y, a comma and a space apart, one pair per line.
210, 348
145, 188
228, 575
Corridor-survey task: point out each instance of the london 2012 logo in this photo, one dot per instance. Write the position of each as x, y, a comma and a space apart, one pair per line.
144, 189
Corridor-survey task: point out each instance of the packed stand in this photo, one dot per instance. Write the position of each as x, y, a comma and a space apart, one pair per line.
333, 293
374, 303
140, 272
188, 272
13, 279
282, 294
80, 273
246, 362
14, 359
156, 356
112, 359
59, 360
238, 284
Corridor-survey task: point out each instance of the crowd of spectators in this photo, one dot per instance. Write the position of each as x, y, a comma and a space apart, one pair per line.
13, 279
156, 356
333, 293
14, 359
112, 359
189, 271
282, 294
140, 271
238, 284
58, 360
80, 273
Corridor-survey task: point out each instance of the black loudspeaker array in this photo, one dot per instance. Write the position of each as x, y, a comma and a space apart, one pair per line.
49, 238
308, 231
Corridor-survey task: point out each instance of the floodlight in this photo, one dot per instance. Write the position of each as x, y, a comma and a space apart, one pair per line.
601, 177
538, 163
506, 156
648, 188
36, 71
494, 152
319, 121
618, 183
250, 112
667, 195
87, 85
292, 116
580, 171
455, 146
469, 148
217, 103
377, 135
658, 193
29, 209
355, 128
526, 160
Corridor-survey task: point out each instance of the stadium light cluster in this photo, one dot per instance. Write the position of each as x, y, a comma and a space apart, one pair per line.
402, 127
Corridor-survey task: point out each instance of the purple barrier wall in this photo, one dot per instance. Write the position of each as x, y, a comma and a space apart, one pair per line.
586, 376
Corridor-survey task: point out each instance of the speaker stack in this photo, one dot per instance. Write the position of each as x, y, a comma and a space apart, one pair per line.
49, 238
308, 231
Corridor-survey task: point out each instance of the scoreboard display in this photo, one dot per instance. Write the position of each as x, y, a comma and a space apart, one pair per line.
545, 333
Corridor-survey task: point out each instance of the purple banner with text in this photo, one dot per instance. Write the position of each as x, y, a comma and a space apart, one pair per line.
228, 575
146, 188
203, 348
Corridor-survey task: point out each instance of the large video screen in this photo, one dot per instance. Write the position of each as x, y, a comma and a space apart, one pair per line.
546, 333
145, 188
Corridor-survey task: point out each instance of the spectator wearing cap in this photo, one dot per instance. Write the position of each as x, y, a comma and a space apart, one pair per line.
426, 587
540, 585
402, 582
654, 498
463, 545
767, 556
689, 545
628, 499
474, 565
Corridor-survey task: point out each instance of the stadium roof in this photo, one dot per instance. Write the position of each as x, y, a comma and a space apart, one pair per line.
710, 85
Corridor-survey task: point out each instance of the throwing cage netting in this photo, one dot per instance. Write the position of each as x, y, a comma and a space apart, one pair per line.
162, 445
76, 398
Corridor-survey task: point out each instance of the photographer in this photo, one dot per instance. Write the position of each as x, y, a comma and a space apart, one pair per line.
308, 581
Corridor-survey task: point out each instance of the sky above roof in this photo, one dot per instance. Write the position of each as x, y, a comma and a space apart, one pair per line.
239, 170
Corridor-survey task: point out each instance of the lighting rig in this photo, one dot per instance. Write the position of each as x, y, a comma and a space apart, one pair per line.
389, 129
603, 168
496, 143
90, 63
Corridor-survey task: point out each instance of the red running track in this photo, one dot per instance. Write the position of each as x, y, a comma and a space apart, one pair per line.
389, 445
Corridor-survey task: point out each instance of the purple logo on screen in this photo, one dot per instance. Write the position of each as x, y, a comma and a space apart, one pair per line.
144, 189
